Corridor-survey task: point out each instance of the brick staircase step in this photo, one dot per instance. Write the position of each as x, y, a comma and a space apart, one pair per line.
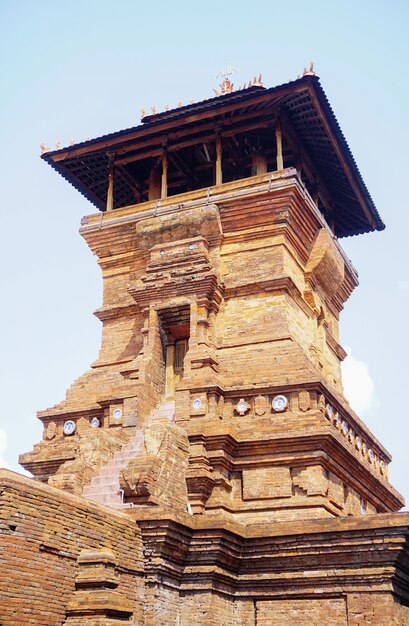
122, 456
104, 488
108, 472
130, 446
106, 499
104, 480
101, 489
117, 464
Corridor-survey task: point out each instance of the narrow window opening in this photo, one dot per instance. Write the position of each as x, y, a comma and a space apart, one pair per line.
175, 333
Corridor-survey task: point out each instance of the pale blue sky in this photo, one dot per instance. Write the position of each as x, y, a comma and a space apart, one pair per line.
78, 69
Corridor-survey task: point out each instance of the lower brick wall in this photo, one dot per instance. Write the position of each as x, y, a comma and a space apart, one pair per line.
376, 608
42, 532
52, 542
331, 612
207, 608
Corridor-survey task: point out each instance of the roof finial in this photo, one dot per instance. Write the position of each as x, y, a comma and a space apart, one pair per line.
44, 148
310, 71
226, 86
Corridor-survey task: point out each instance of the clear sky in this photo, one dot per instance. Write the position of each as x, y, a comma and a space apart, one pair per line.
78, 69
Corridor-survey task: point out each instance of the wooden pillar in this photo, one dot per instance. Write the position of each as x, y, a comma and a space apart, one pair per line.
258, 163
170, 379
164, 184
279, 143
155, 183
110, 192
219, 172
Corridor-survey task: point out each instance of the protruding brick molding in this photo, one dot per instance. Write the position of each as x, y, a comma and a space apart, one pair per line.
348, 571
96, 600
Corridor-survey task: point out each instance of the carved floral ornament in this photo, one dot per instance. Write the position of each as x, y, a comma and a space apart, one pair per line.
51, 430
70, 427
262, 405
242, 407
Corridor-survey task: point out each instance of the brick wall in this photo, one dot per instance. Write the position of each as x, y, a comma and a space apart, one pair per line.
43, 531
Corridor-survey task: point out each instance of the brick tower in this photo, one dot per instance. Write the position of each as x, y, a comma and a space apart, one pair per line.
213, 422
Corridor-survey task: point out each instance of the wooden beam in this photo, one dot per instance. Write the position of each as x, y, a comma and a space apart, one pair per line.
258, 163
187, 171
228, 123
164, 181
110, 192
134, 184
279, 142
219, 171
193, 142
177, 162
154, 192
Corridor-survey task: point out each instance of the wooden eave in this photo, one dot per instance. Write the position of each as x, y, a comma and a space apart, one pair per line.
305, 106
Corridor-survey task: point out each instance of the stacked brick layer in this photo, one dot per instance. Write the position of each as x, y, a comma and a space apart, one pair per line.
64, 561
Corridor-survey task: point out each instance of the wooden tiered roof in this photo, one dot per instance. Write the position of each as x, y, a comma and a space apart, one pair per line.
310, 130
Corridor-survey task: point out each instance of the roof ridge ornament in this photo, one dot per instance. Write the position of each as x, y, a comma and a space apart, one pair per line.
154, 110
255, 82
44, 148
309, 72
226, 86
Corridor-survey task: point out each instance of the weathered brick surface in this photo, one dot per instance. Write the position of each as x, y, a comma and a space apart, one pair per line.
332, 612
208, 608
379, 609
42, 533
159, 475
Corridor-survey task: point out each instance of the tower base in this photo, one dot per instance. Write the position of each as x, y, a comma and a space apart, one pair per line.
66, 561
